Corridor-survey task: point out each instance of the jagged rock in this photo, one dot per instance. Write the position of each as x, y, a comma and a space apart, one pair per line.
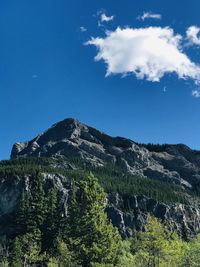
175, 163
184, 219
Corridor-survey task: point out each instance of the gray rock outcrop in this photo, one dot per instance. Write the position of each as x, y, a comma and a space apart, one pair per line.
69, 138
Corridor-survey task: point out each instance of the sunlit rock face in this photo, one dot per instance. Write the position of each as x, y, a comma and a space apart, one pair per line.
70, 138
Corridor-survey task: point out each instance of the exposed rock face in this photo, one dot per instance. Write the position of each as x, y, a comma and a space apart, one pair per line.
185, 219
10, 194
70, 138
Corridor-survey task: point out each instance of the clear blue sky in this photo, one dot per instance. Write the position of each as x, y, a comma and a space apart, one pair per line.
47, 74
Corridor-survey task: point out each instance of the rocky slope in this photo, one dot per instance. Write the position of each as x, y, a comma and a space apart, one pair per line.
174, 163
185, 219
177, 164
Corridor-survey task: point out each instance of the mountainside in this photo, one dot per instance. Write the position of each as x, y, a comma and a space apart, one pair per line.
174, 163
139, 179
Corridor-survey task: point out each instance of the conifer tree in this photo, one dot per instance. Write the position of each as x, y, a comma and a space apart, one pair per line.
92, 236
16, 253
51, 225
38, 201
22, 215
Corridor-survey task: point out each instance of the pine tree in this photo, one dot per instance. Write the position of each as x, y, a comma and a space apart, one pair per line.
51, 225
16, 253
38, 201
22, 215
92, 236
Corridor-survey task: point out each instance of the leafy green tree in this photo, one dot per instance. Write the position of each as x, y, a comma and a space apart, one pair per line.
91, 235
64, 258
126, 258
192, 253
153, 241
157, 246
31, 247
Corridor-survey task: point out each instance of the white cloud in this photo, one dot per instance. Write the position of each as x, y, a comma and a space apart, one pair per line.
83, 29
192, 35
149, 15
196, 93
105, 18
148, 53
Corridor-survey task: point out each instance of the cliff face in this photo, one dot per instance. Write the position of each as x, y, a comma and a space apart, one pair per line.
176, 164
126, 213
184, 219
11, 189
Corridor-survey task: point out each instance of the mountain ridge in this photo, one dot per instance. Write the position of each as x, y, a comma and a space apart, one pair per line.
177, 163
163, 180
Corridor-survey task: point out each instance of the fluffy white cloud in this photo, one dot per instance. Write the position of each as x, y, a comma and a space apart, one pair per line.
149, 15
192, 35
196, 93
146, 52
105, 18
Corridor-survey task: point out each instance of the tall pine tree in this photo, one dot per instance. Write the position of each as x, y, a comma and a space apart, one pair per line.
92, 236
51, 225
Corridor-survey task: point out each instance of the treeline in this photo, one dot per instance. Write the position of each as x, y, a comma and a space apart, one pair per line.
112, 179
155, 147
45, 236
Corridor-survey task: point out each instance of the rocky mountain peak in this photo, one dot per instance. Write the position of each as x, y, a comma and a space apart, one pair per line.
70, 138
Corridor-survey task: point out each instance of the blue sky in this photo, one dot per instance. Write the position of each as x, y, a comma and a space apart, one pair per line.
48, 74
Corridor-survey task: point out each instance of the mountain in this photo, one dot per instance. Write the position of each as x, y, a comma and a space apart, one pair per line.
138, 178
70, 138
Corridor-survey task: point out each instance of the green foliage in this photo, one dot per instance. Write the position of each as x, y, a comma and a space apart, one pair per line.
31, 247
155, 147
192, 254
91, 235
66, 258
51, 227
4, 251
38, 200
22, 215
157, 246
126, 258
16, 253
45, 237
112, 179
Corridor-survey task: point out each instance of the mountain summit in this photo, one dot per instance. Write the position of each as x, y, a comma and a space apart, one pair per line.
72, 139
